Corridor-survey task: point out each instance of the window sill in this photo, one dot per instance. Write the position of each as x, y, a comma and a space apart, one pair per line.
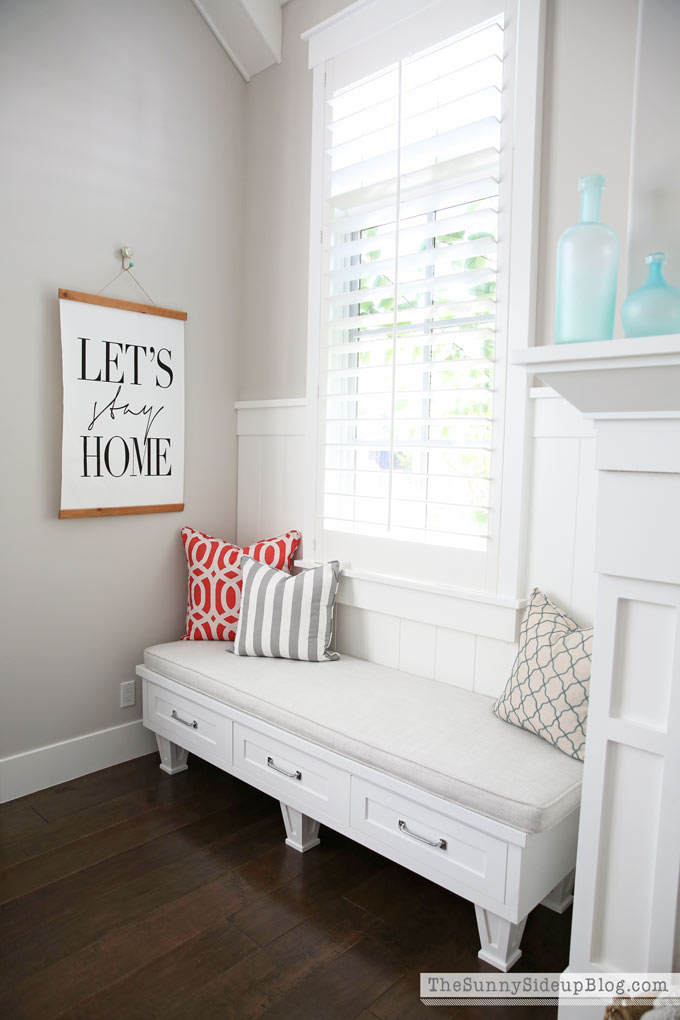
475, 612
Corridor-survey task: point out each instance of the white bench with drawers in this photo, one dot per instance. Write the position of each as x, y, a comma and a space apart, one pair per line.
419, 771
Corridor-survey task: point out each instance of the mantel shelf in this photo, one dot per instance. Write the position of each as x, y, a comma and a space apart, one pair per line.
630, 378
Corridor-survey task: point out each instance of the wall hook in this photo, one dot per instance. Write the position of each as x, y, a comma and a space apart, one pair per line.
125, 254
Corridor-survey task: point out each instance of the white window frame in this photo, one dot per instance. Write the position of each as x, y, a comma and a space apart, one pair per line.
525, 29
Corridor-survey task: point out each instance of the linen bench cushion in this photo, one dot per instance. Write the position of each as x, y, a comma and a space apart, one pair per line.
434, 736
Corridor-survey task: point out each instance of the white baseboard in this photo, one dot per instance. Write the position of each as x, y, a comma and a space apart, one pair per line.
25, 773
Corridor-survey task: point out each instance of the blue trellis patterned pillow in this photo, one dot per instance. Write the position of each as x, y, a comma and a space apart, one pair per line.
548, 689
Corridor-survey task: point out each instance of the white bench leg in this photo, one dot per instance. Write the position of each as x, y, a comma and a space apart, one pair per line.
173, 757
302, 832
500, 939
562, 896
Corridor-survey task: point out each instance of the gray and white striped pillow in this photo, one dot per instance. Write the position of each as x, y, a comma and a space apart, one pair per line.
284, 617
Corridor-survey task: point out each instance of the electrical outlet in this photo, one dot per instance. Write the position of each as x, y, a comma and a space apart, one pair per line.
127, 694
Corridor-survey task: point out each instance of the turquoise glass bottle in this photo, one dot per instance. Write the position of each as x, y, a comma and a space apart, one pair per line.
654, 308
587, 271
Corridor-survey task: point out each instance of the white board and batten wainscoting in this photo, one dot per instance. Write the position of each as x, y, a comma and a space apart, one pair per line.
456, 638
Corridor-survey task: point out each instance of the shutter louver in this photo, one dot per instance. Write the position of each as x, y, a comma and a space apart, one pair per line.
408, 310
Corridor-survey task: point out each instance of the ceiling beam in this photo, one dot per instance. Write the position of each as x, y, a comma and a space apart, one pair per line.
248, 30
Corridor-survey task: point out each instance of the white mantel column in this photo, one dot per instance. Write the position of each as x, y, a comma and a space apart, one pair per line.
628, 865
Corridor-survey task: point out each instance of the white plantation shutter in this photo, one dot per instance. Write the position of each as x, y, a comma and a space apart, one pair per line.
408, 324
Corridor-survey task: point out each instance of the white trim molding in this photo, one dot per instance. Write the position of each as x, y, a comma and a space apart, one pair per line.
271, 417
543, 393
597, 378
629, 819
360, 20
21, 774
474, 612
528, 30
500, 569
245, 405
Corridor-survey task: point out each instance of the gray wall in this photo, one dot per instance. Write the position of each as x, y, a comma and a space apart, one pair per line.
588, 109
587, 124
655, 188
121, 123
278, 153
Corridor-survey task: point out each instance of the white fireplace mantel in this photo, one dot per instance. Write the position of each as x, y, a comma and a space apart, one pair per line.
612, 378
628, 865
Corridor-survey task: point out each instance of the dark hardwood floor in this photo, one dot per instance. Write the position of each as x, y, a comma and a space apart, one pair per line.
132, 894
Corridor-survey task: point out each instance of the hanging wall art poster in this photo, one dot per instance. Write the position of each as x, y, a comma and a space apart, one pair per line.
123, 432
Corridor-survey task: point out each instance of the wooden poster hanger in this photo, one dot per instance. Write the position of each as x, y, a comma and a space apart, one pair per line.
142, 413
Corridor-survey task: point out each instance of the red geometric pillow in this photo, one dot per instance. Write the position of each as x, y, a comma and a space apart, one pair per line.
215, 580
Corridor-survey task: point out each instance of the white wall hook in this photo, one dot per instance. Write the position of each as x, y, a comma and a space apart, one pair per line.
125, 254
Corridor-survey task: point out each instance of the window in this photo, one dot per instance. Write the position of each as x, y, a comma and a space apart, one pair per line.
409, 303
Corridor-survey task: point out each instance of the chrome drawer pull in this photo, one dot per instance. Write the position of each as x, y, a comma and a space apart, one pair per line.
291, 775
440, 843
194, 724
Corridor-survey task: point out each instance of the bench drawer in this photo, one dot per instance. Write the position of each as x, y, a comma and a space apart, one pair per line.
188, 724
465, 855
292, 776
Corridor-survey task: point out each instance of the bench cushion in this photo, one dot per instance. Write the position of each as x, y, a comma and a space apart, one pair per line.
434, 736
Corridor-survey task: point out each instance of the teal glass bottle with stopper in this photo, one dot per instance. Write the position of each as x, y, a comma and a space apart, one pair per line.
653, 309
587, 272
